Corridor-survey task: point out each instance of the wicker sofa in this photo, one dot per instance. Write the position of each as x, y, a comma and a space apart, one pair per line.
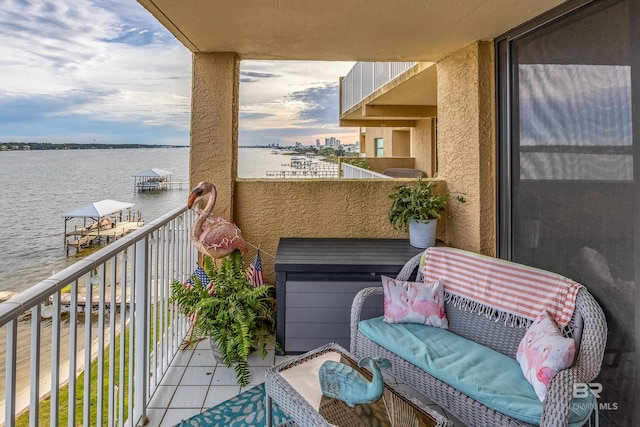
497, 341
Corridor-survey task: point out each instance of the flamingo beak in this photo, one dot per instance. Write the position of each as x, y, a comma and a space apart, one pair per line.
193, 196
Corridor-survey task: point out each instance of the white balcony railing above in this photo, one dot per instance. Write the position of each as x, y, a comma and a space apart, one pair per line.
351, 171
110, 309
365, 77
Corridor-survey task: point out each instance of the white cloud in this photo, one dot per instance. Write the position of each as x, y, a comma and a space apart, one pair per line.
275, 102
110, 64
136, 71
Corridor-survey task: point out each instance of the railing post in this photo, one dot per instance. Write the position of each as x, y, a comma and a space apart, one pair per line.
141, 348
10, 375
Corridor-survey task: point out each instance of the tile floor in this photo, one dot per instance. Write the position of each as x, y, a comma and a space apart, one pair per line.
194, 383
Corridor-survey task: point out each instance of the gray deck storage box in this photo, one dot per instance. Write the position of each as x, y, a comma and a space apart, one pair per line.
316, 280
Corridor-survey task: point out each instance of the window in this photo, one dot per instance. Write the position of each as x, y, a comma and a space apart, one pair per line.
379, 147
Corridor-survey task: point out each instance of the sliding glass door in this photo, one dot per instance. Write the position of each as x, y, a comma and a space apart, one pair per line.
567, 154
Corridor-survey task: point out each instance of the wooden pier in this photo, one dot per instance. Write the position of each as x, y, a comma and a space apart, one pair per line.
305, 173
85, 237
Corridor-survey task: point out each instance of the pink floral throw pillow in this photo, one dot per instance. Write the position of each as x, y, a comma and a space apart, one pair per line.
413, 302
543, 352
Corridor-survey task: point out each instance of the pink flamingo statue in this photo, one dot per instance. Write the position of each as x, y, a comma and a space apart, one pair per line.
211, 235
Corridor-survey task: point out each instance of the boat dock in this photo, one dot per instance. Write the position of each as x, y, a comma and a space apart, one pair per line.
85, 237
156, 180
107, 223
306, 167
314, 173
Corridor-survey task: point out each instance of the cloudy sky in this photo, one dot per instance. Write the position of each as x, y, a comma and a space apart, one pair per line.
108, 71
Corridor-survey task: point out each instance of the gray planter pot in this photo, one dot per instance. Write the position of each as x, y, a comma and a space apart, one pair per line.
217, 353
422, 234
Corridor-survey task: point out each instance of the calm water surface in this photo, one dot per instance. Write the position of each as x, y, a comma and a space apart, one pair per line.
37, 187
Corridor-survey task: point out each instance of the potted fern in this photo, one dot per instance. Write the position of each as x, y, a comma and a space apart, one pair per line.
238, 317
416, 209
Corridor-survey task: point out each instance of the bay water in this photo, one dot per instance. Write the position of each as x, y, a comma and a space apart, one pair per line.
37, 187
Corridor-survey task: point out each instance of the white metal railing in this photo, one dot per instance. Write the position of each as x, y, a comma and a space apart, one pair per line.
351, 171
365, 77
111, 307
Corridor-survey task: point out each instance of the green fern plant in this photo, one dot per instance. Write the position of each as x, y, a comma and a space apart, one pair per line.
417, 202
239, 317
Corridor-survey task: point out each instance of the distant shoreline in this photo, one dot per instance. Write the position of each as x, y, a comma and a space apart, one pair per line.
32, 146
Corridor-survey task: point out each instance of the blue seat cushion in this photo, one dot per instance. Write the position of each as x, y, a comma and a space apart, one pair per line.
481, 373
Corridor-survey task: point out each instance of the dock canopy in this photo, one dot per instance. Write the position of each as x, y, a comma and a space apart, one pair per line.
153, 173
97, 209
152, 179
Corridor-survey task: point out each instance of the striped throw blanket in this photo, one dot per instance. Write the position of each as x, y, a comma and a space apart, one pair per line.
505, 290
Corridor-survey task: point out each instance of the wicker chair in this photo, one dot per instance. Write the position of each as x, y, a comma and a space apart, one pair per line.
588, 326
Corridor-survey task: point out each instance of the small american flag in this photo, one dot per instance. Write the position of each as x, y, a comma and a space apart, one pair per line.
255, 271
202, 276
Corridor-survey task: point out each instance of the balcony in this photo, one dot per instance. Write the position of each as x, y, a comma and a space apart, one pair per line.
133, 332
366, 77
351, 171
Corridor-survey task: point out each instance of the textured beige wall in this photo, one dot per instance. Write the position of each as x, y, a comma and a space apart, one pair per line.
269, 209
421, 146
401, 143
466, 145
214, 125
397, 142
372, 134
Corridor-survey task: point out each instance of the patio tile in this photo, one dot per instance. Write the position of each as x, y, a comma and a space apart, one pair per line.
174, 416
173, 375
224, 376
257, 374
191, 396
255, 358
203, 345
182, 357
162, 396
197, 375
248, 387
155, 416
219, 394
202, 357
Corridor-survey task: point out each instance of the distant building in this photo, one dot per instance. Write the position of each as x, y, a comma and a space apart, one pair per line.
317, 142
331, 142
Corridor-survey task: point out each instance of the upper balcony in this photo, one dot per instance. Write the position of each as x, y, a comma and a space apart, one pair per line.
365, 78
388, 94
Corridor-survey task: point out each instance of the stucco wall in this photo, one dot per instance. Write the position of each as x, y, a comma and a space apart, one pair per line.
421, 147
380, 164
401, 143
466, 145
269, 209
386, 134
214, 128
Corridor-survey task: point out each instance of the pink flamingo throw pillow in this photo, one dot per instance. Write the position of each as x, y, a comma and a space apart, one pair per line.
543, 352
413, 302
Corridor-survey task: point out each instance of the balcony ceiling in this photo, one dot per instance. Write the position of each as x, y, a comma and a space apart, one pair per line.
340, 30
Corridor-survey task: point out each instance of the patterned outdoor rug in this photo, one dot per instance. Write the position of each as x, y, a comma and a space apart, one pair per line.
245, 409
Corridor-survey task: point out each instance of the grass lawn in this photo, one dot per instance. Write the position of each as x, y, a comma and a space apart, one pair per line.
63, 411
